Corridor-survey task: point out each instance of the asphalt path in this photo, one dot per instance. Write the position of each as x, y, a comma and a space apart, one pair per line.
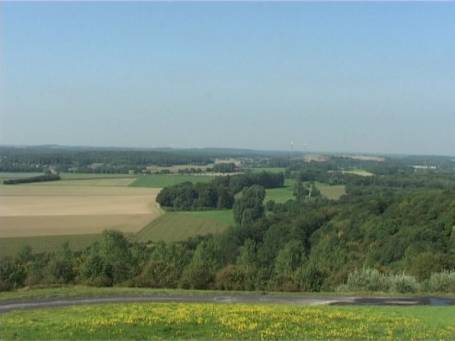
6, 306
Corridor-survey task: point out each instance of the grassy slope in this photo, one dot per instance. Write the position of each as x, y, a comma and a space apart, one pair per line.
176, 226
333, 192
232, 321
284, 194
164, 180
10, 246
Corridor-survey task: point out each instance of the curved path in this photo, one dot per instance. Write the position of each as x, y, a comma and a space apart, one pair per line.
10, 305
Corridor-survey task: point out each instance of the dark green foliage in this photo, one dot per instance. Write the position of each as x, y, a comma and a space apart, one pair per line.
108, 261
61, 266
219, 193
200, 272
187, 196
249, 206
12, 274
39, 178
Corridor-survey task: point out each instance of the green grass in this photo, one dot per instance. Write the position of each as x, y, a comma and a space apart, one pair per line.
283, 194
77, 291
11, 246
333, 192
139, 321
177, 226
279, 195
360, 172
164, 180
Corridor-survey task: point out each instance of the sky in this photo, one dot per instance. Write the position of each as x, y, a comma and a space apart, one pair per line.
332, 77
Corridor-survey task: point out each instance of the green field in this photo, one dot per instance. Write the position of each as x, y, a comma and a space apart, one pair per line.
279, 195
360, 172
176, 226
139, 321
333, 192
11, 246
164, 180
283, 194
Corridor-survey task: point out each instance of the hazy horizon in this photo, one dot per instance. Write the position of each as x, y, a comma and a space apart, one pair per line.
348, 78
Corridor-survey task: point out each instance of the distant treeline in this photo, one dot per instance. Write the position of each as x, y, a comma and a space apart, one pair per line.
90, 160
39, 178
219, 193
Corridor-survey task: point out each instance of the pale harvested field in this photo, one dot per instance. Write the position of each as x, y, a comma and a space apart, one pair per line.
39, 209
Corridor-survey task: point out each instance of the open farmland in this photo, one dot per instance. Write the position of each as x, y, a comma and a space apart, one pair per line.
79, 208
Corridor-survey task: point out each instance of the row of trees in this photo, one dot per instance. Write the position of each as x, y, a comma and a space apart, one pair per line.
189, 196
93, 160
38, 178
219, 193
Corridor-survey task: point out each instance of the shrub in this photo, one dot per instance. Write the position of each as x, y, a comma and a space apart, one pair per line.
403, 283
231, 277
310, 278
367, 280
441, 282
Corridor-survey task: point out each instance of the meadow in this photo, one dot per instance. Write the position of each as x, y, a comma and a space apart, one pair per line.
283, 194
165, 180
77, 242
358, 171
153, 321
177, 226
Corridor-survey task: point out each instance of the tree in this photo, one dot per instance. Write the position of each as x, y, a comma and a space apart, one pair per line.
200, 273
300, 191
109, 261
60, 266
12, 274
249, 207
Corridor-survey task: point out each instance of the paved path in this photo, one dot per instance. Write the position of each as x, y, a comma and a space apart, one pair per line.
7, 306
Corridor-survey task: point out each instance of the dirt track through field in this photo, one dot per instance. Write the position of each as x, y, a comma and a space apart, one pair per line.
27, 210
7, 306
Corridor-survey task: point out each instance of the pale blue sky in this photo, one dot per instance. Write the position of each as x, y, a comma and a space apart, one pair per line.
358, 77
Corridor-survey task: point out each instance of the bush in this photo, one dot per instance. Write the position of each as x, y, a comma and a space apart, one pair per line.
367, 280
310, 278
403, 283
231, 277
441, 282
158, 274
12, 275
